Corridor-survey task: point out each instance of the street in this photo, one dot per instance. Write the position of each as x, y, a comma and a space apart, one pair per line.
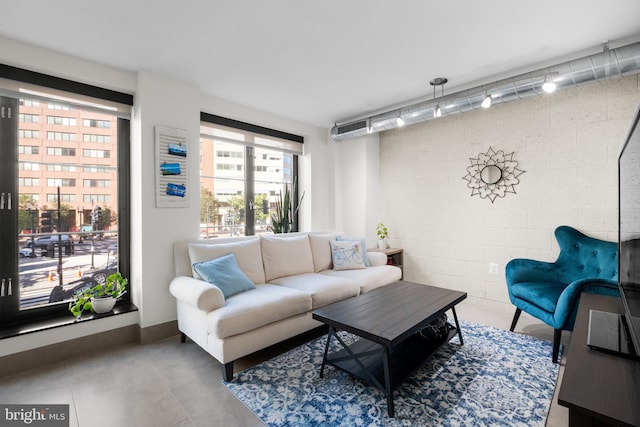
39, 275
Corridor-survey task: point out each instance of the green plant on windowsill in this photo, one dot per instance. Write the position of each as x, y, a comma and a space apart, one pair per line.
101, 298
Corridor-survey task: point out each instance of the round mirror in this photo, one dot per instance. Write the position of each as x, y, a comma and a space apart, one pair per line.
491, 174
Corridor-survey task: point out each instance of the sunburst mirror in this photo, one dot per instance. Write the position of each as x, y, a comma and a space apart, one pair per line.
492, 174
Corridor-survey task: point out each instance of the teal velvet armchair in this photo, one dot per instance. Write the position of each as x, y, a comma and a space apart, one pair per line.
550, 291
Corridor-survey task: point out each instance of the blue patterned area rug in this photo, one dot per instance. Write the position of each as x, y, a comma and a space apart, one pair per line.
497, 378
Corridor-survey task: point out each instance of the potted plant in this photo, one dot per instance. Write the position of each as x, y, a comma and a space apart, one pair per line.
101, 298
383, 235
286, 209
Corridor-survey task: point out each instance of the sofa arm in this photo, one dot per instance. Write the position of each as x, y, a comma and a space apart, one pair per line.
198, 293
377, 258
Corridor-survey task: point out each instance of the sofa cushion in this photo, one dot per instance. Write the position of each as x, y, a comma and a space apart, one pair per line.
347, 254
255, 308
321, 250
247, 254
224, 273
286, 256
369, 278
363, 244
322, 288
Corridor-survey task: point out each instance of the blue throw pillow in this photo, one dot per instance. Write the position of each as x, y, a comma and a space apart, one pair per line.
225, 273
363, 245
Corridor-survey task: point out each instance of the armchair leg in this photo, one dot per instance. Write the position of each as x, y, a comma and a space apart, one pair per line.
516, 316
227, 371
557, 334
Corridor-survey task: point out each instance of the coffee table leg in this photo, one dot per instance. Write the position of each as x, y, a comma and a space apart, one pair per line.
455, 317
326, 350
387, 382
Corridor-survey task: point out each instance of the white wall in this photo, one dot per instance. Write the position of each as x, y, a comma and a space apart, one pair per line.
162, 101
567, 143
357, 190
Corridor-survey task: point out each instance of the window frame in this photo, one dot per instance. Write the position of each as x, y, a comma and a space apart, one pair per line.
11, 317
291, 144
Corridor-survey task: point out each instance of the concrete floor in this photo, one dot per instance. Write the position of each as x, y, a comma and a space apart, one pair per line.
167, 383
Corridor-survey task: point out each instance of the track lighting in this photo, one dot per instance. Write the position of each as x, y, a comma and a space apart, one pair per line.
486, 102
549, 85
400, 121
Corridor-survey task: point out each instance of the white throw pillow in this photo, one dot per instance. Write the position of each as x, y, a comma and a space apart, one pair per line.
247, 253
321, 250
347, 255
286, 256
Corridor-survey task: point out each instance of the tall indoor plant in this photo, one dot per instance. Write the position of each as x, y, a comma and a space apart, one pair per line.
286, 209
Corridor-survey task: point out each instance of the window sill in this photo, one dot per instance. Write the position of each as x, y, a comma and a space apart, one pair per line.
62, 320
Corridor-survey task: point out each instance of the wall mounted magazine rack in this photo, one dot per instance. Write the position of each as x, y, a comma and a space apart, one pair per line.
171, 167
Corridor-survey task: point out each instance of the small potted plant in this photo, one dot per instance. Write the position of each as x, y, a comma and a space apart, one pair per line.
101, 298
383, 235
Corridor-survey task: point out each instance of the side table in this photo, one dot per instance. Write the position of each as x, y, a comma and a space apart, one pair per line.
394, 257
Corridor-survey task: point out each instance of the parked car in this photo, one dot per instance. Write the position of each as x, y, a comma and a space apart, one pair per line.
89, 280
45, 241
27, 251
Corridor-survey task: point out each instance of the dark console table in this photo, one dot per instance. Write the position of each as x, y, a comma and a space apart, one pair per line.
600, 389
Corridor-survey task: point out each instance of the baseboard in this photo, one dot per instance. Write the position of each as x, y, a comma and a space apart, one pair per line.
158, 332
85, 346
58, 352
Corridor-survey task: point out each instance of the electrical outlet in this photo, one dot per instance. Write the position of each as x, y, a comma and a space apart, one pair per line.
493, 268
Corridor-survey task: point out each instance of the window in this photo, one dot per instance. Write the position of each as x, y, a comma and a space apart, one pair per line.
243, 169
44, 183
100, 154
61, 151
54, 167
28, 134
61, 136
101, 139
61, 182
58, 120
29, 118
89, 123
28, 149
99, 183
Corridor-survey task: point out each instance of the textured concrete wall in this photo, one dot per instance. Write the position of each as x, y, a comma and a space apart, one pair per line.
568, 144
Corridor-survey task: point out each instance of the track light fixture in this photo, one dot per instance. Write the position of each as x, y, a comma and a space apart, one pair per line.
400, 121
486, 102
438, 81
549, 86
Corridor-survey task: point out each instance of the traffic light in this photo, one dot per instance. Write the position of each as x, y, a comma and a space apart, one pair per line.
96, 217
46, 222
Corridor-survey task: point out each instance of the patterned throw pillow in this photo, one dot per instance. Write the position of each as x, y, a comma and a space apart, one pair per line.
363, 245
347, 255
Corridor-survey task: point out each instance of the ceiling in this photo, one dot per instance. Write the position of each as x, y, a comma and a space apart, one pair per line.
326, 61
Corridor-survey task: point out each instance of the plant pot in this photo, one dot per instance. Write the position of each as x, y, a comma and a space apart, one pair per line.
103, 304
382, 244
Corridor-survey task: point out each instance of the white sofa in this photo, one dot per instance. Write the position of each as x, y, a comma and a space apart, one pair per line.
293, 274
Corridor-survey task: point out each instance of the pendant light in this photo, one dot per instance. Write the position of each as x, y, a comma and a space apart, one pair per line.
438, 81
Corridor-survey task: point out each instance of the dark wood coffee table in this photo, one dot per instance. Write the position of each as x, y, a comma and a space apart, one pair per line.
387, 319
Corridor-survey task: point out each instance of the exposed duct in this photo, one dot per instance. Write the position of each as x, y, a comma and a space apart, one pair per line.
609, 63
